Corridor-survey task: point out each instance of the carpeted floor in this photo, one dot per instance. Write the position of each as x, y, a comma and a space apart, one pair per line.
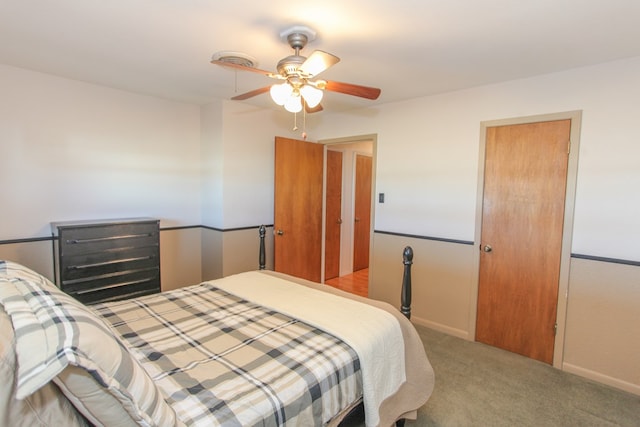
479, 385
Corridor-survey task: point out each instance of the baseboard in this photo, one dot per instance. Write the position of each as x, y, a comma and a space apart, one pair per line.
459, 333
601, 378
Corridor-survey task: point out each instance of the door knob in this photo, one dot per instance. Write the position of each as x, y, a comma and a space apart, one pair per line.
279, 232
339, 221
487, 248
357, 219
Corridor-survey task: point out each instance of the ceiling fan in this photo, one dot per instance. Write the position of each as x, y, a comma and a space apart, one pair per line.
300, 88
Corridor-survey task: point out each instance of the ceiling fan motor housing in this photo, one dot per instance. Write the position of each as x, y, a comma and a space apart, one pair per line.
289, 65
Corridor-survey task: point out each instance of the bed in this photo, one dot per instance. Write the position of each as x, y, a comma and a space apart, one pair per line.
256, 348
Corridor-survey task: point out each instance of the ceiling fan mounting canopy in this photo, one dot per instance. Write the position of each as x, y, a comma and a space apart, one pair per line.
298, 70
298, 36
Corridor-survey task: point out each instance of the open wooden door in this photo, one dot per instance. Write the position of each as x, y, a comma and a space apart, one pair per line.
362, 212
525, 178
298, 208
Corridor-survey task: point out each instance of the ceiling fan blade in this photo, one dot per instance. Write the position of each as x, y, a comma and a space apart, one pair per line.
240, 67
351, 89
317, 62
251, 94
315, 109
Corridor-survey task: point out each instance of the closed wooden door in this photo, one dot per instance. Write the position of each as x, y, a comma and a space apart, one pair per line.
362, 212
298, 208
525, 175
333, 217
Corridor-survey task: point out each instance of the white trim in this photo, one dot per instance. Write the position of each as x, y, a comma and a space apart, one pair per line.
459, 333
601, 378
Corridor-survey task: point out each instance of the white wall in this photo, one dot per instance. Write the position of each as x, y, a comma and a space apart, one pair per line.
72, 150
602, 339
249, 135
211, 117
427, 154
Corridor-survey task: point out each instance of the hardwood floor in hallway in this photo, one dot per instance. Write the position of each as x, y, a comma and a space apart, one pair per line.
355, 283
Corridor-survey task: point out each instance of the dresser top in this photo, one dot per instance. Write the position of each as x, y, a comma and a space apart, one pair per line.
57, 225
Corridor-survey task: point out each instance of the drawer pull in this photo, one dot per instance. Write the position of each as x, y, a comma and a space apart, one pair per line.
107, 276
126, 296
115, 285
105, 239
102, 264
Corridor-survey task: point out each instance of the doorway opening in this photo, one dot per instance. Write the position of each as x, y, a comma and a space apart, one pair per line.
348, 229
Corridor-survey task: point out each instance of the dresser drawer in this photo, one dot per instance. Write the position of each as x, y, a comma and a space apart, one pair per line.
99, 264
115, 286
101, 239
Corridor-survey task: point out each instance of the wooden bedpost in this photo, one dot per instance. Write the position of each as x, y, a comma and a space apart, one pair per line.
261, 258
405, 296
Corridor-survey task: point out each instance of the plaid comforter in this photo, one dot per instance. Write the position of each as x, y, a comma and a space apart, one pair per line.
221, 360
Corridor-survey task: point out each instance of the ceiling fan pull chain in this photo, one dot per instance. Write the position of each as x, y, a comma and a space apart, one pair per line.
235, 81
295, 122
304, 121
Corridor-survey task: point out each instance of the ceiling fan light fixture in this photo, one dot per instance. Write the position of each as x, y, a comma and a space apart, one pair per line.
280, 93
311, 95
293, 104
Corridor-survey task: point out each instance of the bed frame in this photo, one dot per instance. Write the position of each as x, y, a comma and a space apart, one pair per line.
405, 300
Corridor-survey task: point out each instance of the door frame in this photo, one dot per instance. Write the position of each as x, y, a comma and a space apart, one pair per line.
335, 143
567, 229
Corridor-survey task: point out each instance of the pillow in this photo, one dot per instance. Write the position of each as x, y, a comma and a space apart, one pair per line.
59, 339
45, 407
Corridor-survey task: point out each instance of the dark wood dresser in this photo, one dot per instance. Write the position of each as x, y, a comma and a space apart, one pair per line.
107, 260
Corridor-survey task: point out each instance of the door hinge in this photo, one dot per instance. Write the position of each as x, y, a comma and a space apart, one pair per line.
569, 147
555, 329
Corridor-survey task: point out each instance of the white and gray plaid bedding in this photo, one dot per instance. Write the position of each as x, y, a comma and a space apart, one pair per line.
221, 360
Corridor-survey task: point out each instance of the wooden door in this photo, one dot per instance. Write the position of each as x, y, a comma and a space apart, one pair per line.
362, 212
298, 208
525, 175
333, 217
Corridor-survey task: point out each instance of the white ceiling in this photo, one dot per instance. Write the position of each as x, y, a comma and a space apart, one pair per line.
408, 48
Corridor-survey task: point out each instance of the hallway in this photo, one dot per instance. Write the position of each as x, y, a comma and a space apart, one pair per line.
355, 283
